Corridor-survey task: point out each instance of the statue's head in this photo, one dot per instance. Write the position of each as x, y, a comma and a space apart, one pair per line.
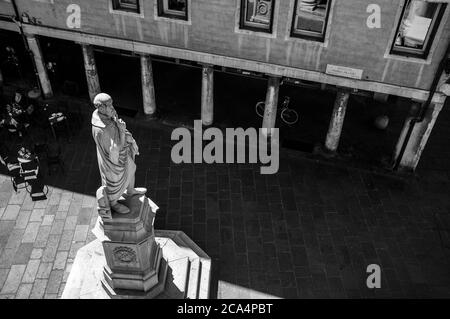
104, 104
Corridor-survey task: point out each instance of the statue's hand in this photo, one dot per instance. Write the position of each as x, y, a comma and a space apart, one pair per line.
121, 125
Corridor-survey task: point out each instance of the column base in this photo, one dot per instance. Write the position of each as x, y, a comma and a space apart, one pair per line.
126, 278
151, 117
206, 125
324, 152
184, 272
118, 293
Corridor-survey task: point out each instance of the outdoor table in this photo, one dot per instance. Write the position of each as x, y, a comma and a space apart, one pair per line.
34, 94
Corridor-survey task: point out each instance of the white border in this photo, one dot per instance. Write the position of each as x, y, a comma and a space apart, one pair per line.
263, 34
437, 37
127, 13
172, 20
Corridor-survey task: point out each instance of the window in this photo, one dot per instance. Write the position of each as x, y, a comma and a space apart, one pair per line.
176, 9
417, 28
310, 19
257, 15
126, 5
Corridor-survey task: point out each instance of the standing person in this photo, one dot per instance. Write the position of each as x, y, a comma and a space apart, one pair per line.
116, 150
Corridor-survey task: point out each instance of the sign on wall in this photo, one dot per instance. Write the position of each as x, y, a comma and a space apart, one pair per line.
344, 71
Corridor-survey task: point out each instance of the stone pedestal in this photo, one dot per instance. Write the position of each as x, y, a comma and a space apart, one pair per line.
133, 258
130, 260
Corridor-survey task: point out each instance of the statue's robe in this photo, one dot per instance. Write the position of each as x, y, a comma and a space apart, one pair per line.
116, 164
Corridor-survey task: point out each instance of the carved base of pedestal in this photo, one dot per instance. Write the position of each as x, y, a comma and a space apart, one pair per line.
145, 281
107, 283
184, 272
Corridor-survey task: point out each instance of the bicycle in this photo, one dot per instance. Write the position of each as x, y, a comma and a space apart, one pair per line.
289, 116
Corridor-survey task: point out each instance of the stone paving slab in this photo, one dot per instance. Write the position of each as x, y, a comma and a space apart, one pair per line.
308, 231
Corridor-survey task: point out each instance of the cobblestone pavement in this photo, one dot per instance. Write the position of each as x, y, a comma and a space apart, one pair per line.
308, 231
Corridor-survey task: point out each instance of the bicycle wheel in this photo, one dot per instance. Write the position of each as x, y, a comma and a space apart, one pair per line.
260, 106
289, 116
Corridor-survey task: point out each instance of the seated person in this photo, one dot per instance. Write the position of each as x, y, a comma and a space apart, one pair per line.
22, 103
27, 116
20, 99
10, 119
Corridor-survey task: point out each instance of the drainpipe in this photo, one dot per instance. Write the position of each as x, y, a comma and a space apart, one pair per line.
17, 21
424, 107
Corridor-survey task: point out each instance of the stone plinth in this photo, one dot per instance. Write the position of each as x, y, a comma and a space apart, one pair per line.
133, 258
130, 260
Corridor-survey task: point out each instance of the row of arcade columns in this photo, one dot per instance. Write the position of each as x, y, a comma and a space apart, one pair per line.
411, 153
93, 82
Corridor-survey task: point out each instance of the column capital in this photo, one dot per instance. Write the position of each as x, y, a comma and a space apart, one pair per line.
29, 35
344, 89
274, 75
207, 65
82, 44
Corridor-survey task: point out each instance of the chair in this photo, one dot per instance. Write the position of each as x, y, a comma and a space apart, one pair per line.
17, 179
37, 190
29, 170
53, 156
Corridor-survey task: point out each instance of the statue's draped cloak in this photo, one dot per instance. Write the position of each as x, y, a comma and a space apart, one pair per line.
116, 164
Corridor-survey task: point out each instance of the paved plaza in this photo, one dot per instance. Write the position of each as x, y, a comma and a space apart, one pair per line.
308, 231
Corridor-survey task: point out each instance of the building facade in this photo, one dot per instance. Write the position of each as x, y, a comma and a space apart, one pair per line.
379, 46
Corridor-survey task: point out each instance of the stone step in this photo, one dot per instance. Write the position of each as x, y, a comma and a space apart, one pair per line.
193, 281
204, 279
204, 269
177, 282
198, 279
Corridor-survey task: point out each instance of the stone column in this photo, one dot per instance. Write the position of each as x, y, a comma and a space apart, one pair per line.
270, 110
44, 80
418, 139
148, 88
91, 71
337, 121
413, 111
207, 94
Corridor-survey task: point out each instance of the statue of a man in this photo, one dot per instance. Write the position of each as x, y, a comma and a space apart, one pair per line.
116, 150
